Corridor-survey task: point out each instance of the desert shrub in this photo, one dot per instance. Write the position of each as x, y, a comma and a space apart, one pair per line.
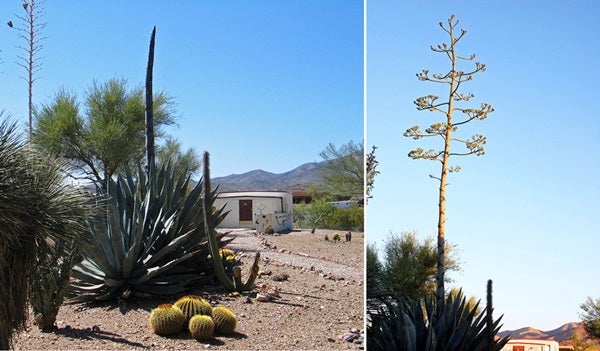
313, 215
346, 219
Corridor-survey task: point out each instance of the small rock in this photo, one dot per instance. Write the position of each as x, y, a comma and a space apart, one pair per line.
348, 337
263, 297
280, 277
274, 293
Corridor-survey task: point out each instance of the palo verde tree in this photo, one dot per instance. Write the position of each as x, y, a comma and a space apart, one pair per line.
590, 316
454, 116
30, 30
371, 171
184, 162
344, 171
105, 136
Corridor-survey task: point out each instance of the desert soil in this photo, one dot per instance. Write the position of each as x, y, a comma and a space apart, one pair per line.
320, 304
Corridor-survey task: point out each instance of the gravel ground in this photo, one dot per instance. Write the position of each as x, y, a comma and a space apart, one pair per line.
321, 302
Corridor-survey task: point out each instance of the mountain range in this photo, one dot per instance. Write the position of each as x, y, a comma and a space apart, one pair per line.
301, 177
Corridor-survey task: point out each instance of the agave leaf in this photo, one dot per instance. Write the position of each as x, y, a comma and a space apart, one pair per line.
154, 271
114, 283
132, 255
91, 287
171, 247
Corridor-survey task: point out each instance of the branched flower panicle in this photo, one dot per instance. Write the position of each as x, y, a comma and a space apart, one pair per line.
445, 129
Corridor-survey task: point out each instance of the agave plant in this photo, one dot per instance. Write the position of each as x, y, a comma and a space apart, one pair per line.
420, 325
152, 240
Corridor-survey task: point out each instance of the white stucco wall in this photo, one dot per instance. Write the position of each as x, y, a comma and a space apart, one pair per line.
278, 206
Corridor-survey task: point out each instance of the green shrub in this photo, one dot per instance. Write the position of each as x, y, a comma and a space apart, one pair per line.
346, 219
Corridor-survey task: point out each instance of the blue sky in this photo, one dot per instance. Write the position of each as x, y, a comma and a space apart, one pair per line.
525, 213
260, 85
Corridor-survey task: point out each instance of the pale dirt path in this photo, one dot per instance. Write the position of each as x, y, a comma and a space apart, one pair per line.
248, 241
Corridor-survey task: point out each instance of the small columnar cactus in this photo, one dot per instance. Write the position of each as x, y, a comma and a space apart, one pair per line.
224, 319
201, 327
166, 319
192, 305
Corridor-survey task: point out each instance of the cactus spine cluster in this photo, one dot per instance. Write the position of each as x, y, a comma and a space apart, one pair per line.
195, 313
224, 319
167, 319
201, 327
192, 305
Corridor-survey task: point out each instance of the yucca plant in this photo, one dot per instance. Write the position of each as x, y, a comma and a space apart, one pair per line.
151, 227
36, 207
420, 325
55, 256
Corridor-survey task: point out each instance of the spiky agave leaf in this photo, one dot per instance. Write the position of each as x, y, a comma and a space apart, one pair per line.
404, 324
151, 228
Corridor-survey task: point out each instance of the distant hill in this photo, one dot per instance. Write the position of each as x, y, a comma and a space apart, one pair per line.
301, 177
561, 334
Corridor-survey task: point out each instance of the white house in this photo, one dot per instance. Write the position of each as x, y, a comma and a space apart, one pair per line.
257, 210
531, 345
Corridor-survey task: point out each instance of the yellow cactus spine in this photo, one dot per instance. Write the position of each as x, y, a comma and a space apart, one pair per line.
201, 327
166, 319
225, 321
192, 305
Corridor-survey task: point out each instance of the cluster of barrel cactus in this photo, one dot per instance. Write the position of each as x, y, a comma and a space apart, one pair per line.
195, 314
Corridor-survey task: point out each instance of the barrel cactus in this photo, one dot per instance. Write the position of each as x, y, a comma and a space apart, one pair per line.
227, 252
201, 327
224, 319
167, 319
192, 305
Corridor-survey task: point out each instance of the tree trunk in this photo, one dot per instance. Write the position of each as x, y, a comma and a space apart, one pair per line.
151, 165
